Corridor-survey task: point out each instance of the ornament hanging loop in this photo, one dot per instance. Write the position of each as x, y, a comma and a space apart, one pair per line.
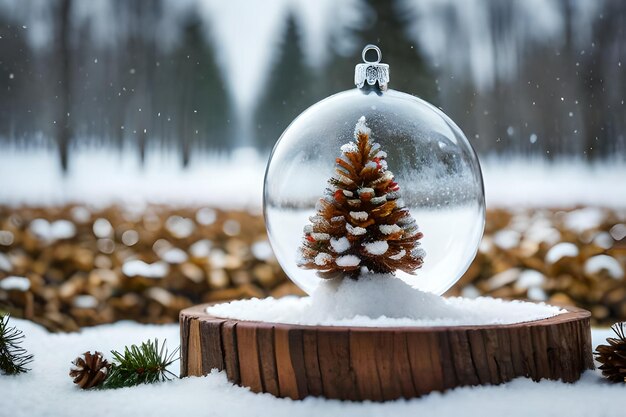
371, 72
371, 47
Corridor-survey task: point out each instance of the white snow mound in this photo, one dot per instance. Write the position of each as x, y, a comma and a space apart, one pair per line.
598, 263
348, 260
378, 300
561, 250
340, 245
376, 248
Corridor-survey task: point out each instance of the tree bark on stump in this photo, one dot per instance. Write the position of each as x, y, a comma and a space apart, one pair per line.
380, 364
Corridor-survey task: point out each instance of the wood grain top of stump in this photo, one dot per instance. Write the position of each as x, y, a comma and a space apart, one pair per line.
382, 363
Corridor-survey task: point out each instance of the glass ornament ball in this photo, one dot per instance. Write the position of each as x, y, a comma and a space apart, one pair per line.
433, 163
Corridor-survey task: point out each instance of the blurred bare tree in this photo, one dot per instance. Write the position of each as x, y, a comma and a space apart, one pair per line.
203, 105
289, 90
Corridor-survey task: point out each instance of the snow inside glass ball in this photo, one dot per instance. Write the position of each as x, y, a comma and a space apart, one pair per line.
373, 180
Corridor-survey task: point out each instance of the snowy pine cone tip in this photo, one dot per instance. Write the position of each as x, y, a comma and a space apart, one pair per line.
89, 370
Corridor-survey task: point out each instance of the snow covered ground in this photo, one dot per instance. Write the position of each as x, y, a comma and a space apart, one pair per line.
104, 176
48, 390
515, 183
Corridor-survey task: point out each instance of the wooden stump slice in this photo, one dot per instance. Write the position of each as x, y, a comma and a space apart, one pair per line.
380, 364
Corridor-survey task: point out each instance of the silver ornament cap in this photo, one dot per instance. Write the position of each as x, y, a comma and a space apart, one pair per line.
371, 72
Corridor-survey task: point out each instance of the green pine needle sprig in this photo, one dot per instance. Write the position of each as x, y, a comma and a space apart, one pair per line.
13, 357
144, 364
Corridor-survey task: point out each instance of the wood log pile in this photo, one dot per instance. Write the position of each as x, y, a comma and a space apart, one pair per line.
76, 265
566, 257
73, 266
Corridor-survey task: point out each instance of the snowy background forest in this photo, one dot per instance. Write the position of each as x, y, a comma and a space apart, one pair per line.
522, 78
134, 137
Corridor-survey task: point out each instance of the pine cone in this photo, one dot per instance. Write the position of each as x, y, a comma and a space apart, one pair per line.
613, 356
89, 370
361, 222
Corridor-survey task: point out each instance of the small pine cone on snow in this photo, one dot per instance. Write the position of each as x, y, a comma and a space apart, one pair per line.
613, 356
89, 370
